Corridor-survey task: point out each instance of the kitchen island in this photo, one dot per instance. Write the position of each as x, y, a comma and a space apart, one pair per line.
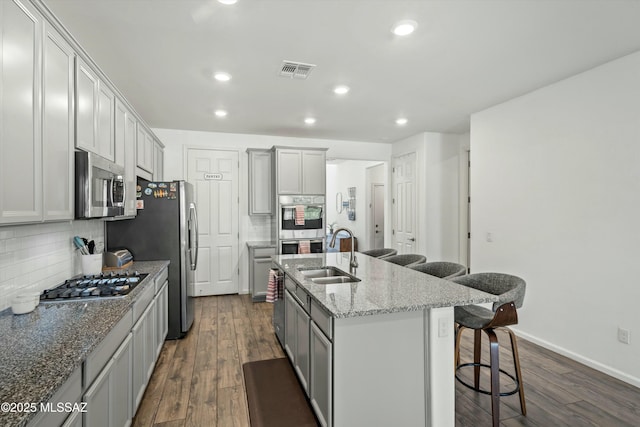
44, 354
377, 351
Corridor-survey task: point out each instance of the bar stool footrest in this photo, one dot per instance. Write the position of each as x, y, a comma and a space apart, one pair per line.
480, 390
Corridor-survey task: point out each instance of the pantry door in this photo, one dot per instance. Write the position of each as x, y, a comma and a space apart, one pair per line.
214, 174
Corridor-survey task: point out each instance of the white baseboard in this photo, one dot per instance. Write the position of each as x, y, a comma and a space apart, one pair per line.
634, 381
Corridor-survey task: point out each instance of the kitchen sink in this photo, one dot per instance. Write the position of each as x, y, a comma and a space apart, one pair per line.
327, 275
334, 279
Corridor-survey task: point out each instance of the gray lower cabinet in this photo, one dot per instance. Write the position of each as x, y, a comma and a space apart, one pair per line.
259, 265
297, 337
289, 325
308, 344
108, 398
74, 420
320, 368
302, 346
143, 351
162, 311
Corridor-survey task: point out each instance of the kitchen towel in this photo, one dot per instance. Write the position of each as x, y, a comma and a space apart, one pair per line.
304, 247
299, 215
272, 287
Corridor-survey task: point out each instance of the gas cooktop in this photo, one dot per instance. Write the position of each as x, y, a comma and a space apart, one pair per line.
103, 285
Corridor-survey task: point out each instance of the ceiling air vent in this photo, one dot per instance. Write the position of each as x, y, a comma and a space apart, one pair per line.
296, 70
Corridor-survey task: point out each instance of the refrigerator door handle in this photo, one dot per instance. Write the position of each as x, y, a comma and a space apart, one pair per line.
193, 229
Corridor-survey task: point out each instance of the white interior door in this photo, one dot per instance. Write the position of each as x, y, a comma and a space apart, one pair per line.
214, 174
404, 203
378, 216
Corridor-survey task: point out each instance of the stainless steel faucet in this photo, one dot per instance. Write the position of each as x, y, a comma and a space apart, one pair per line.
353, 262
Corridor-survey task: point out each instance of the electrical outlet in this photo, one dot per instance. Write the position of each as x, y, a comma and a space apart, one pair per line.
624, 336
443, 328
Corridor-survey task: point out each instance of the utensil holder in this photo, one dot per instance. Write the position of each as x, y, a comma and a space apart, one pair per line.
91, 264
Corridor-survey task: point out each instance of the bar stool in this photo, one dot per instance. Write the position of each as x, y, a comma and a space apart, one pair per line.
380, 253
441, 269
510, 290
406, 260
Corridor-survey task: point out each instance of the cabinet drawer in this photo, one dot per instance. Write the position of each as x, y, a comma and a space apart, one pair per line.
161, 279
303, 299
263, 252
70, 391
101, 355
321, 318
143, 301
290, 284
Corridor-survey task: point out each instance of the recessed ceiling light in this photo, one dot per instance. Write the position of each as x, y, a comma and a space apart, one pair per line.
404, 28
341, 90
221, 76
227, 1
401, 121
220, 113
310, 120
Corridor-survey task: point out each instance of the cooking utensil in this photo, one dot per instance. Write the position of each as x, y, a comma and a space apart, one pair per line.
92, 247
80, 245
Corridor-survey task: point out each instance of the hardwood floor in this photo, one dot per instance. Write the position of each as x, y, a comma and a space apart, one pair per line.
198, 380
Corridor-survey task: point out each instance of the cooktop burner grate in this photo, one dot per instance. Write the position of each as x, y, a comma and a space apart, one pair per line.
104, 285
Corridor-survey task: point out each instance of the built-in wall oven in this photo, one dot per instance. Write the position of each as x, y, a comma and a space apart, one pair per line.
300, 224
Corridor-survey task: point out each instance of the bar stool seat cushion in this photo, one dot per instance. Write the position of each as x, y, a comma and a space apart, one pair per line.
442, 269
406, 260
473, 316
380, 253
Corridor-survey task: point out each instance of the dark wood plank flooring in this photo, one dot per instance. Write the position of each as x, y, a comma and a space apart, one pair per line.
198, 380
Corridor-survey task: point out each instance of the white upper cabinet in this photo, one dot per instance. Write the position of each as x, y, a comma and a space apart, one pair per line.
20, 126
86, 107
158, 161
144, 150
95, 113
58, 126
288, 171
300, 171
125, 136
106, 122
314, 171
260, 182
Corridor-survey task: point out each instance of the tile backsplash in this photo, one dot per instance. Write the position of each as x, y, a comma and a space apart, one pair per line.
39, 256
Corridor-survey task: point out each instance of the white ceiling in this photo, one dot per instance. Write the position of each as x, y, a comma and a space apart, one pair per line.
464, 57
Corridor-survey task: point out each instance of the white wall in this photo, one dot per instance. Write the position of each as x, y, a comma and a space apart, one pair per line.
438, 187
332, 187
555, 179
350, 173
36, 257
254, 228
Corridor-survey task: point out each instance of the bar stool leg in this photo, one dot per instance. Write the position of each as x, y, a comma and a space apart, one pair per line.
494, 352
477, 349
459, 330
516, 363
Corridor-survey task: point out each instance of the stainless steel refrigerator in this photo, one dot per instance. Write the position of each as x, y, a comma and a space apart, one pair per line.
165, 228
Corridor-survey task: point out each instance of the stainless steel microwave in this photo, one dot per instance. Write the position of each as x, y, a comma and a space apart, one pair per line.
100, 189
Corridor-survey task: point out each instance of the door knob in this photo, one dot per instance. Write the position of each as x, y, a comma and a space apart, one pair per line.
412, 239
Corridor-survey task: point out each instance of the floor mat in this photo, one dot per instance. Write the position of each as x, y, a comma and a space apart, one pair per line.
275, 396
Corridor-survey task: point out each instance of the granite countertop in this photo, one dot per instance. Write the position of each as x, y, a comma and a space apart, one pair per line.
40, 350
384, 287
258, 244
